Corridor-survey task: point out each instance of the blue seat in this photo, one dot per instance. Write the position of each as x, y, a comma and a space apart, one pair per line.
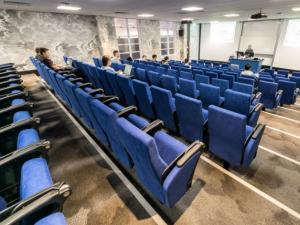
296, 74
102, 80
144, 98
201, 79
170, 83
211, 75
234, 74
210, 95
154, 78
94, 76
112, 80
230, 79
242, 103
164, 105
270, 96
247, 89
186, 75
198, 71
283, 72
153, 155
222, 84
97, 62
126, 87
141, 74
161, 70
296, 80
290, 92
246, 80
188, 88
266, 79
52, 219
151, 68
173, 73
230, 138
191, 124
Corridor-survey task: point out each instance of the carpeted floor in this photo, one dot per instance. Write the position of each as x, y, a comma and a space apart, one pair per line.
99, 197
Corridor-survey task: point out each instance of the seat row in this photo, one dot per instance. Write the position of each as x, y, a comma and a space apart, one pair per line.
184, 114
162, 164
27, 192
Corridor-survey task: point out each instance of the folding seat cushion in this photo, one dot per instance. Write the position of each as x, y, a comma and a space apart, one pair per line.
270, 96
144, 98
201, 79
35, 177
241, 103
246, 81
126, 87
188, 88
112, 80
27, 137
210, 95
3, 204
102, 80
170, 83
161, 70
290, 92
186, 75
52, 219
191, 117
164, 105
152, 155
154, 78
222, 84
230, 79
230, 138
141, 75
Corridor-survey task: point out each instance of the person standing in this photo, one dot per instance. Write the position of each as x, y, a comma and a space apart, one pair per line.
249, 52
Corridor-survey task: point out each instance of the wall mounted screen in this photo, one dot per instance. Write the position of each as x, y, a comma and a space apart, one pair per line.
292, 37
222, 32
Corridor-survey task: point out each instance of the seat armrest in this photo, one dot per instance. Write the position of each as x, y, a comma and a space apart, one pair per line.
74, 80
28, 152
51, 198
258, 95
20, 107
4, 78
255, 132
13, 80
96, 91
69, 75
126, 111
182, 159
151, 128
108, 99
279, 92
10, 88
258, 107
85, 85
31, 122
7, 72
8, 97
297, 90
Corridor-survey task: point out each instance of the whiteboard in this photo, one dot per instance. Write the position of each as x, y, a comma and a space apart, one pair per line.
261, 35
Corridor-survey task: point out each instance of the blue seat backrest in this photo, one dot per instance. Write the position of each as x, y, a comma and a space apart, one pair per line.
173, 73
209, 95
201, 79
190, 117
144, 153
164, 105
187, 87
112, 80
296, 80
288, 87
185, 69
186, 75
161, 70
237, 102
126, 87
169, 83
268, 90
151, 68
283, 72
227, 134
266, 79
94, 75
296, 74
230, 79
103, 80
154, 78
244, 88
107, 118
141, 74
144, 98
211, 75
246, 80
198, 71
222, 84
235, 74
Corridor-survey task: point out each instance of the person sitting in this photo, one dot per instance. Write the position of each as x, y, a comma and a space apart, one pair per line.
154, 57
45, 54
106, 61
116, 57
248, 72
129, 59
38, 55
166, 58
186, 62
144, 58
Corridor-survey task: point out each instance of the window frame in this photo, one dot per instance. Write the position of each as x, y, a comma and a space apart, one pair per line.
171, 26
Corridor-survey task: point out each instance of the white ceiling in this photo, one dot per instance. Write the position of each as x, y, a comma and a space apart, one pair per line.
169, 9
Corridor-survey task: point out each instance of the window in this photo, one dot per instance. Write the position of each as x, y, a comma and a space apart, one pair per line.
222, 32
167, 38
128, 38
292, 37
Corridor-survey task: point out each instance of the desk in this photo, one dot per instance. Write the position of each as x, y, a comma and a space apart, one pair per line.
255, 64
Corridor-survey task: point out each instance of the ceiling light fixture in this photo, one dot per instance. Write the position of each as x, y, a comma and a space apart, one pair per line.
192, 9
232, 15
296, 9
187, 19
68, 7
145, 15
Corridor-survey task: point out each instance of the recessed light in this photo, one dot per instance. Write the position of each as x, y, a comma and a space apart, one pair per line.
296, 9
192, 9
232, 15
214, 21
68, 7
187, 19
145, 15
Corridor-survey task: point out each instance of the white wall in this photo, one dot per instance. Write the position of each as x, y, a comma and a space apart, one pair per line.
221, 51
194, 41
286, 57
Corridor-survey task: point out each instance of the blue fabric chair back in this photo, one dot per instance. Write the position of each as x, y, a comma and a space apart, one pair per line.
161, 70
296, 80
173, 73
188, 88
289, 95
237, 102
268, 90
201, 79
230, 79
186, 75
154, 78
209, 95
222, 84
211, 75
103, 80
246, 81
141, 74
169, 82
244, 88
126, 87
112, 80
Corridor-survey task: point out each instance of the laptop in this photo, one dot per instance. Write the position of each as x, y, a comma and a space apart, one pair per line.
127, 70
